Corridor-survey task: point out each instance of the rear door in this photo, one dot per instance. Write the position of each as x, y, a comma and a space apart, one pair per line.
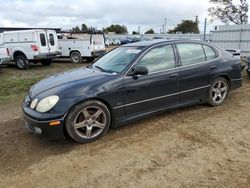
43, 42
98, 42
52, 40
196, 71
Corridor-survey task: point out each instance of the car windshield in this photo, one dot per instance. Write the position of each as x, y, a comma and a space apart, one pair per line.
116, 60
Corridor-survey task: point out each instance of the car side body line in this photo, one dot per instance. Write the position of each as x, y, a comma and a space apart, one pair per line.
203, 87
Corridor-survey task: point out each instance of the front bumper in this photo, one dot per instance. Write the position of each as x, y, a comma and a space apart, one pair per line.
50, 55
5, 61
43, 127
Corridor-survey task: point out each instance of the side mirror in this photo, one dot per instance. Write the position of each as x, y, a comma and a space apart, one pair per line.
140, 70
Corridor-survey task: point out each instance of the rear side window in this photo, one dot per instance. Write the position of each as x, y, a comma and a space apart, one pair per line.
210, 54
51, 39
191, 53
159, 58
43, 40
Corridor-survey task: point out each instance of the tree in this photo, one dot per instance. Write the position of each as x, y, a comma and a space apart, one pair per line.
135, 33
117, 29
75, 29
84, 28
150, 31
186, 26
228, 12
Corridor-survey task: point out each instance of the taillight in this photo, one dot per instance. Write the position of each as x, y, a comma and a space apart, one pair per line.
34, 47
8, 52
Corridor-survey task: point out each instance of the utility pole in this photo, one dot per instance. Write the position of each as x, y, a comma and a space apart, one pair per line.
165, 28
205, 29
196, 19
139, 30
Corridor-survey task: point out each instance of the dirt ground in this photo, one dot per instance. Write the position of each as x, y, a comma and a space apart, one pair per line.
198, 146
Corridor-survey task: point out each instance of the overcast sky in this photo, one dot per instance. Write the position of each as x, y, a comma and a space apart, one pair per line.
99, 13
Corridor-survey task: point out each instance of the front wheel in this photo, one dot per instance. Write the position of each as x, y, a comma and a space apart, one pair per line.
218, 91
88, 121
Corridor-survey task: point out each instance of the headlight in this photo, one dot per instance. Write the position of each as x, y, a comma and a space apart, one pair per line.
47, 103
33, 103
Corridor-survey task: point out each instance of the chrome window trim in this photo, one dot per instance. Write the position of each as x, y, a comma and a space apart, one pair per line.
164, 96
178, 67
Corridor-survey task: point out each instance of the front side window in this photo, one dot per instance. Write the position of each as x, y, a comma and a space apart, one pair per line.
43, 40
159, 58
51, 39
191, 53
210, 54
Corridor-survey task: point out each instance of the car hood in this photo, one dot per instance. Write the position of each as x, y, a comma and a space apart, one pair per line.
67, 80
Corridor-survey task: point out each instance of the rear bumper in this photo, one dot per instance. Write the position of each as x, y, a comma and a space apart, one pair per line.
98, 53
236, 83
5, 61
51, 55
43, 127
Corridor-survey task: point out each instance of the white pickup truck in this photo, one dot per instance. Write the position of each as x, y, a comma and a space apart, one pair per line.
28, 46
85, 47
4, 56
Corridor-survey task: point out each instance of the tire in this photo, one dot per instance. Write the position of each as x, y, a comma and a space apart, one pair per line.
90, 59
22, 62
88, 121
76, 57
218, 91
46, 62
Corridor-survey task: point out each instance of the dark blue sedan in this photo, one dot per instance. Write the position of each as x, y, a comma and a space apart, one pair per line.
130, 83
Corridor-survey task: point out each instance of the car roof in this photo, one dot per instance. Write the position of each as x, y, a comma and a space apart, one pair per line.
159, 41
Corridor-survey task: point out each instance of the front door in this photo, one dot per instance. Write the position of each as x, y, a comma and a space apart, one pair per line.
158, 89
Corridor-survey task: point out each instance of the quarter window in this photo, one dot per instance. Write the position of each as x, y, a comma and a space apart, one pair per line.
51, 39
191, 53
43, 40
159, 58
209, 53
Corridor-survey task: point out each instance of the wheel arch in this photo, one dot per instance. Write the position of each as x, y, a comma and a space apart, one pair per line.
18, 52
72, 51
225, 76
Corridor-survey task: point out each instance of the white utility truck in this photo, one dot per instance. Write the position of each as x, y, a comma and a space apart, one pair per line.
83, 46
28, 46
4, 56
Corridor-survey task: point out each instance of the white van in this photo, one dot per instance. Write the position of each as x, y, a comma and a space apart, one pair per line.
82, 46
31, 46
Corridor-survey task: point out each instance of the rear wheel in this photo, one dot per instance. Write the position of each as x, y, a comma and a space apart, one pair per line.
218, 91
22, 62
76, 57
88, 121
46, 62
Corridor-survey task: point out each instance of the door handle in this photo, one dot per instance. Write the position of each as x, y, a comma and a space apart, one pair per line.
173, 76
212, 67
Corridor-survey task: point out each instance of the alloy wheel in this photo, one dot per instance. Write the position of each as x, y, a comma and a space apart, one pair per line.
90, 122
219, 91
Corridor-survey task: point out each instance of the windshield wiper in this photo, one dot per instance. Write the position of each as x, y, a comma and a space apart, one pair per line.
100, 68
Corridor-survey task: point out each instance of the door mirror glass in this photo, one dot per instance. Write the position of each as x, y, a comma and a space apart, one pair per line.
140, 70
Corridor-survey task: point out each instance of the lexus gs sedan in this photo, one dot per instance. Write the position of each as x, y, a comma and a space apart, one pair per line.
129, 83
